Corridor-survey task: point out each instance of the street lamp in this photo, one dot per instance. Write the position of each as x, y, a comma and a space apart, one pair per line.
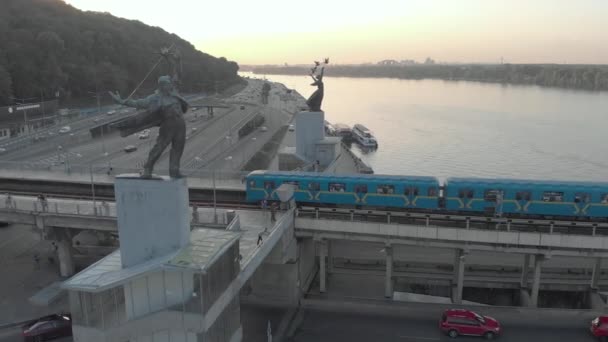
103, 142
22, 101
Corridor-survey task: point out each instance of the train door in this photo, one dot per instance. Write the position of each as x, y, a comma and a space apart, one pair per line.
411, 192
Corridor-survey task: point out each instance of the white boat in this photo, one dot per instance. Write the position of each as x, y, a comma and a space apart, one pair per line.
343, 131
364, 136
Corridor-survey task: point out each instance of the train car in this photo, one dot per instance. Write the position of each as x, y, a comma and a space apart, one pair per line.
527, 197
353, 190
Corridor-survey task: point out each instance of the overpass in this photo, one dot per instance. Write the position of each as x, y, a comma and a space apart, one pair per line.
452, 251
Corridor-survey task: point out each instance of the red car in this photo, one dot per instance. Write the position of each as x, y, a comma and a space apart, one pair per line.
456, 322
48, 327
599, 328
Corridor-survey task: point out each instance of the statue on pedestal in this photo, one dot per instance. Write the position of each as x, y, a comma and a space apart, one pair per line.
315, 100
164, 108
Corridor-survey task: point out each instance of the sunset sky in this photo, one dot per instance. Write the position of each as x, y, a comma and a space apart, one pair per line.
352, 31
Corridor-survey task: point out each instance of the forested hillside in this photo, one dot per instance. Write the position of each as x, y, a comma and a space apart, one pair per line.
49, 47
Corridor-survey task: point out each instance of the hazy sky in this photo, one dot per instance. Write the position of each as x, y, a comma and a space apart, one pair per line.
354, 31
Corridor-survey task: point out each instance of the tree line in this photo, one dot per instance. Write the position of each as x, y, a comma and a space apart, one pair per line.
584, 77
49, 48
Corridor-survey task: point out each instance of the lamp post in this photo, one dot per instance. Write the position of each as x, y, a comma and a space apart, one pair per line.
97, 95
22, 101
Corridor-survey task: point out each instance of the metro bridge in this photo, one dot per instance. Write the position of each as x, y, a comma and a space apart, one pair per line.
562, 251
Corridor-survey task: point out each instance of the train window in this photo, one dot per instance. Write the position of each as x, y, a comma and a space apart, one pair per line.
523, 195
296, 184
468, 193
492, 195
337, 187
252, 183
432, 192
411, 190
604, 198
581, 197
269, 185
314, 186
385, 189
361, 188
553, 196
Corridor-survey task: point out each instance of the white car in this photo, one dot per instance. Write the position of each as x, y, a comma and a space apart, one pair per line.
291, 128
112, 112
145, 134
130, 148
65, 129
2, 150
264, 129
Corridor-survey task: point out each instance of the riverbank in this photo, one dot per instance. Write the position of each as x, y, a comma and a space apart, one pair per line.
579, 77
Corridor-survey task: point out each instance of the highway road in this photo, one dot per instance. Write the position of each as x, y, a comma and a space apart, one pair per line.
208, 138
321, 326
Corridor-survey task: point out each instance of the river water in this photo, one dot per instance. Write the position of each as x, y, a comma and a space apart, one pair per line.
444, 128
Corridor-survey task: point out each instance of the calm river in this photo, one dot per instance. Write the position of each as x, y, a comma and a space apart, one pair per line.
443, 128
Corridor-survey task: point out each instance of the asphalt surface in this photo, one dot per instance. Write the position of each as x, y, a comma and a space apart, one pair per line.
14, 335
320, 326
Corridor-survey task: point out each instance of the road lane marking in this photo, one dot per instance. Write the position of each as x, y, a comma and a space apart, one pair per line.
419, 338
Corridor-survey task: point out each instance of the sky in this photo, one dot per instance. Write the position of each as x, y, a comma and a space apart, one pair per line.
355, 31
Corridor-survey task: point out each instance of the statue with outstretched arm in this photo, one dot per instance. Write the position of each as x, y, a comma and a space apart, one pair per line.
164, 108
315, 100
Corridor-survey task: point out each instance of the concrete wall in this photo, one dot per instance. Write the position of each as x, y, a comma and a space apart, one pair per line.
309, 130
559, 244
153, 217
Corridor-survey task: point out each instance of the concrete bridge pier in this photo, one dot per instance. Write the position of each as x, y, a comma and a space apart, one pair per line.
538, 260
459, 263
524, 294
388, 282
322, 245
595, 300
65, 253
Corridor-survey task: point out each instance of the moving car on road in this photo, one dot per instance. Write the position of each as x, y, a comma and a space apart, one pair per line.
455, 322
291, 128
599, 328
65, 129
145, 134
48, 327
130, 148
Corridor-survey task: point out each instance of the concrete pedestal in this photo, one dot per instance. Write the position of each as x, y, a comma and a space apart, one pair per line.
152, 215
310, 129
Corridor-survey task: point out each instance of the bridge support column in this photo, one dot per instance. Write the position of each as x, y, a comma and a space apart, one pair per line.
538, 260
330, 259
388, 282
597, 271
525, 267
64, 254
459, 263
322, 271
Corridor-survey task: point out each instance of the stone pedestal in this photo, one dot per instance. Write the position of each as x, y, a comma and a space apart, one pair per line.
152, 215
309, 131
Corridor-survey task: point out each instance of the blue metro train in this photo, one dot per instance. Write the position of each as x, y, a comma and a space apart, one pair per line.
511, 197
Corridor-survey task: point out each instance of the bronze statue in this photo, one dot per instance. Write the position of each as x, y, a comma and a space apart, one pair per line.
164, 108
315, 100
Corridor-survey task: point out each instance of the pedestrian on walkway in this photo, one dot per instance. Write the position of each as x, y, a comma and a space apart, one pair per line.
9, 201
260, 241
36, 261
106, 208
273, 211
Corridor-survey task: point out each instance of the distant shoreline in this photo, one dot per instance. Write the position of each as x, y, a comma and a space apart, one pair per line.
576, 77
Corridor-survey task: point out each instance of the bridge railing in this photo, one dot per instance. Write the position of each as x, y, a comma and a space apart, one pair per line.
109, 170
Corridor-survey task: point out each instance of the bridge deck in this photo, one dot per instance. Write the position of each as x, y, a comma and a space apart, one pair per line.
200, 180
